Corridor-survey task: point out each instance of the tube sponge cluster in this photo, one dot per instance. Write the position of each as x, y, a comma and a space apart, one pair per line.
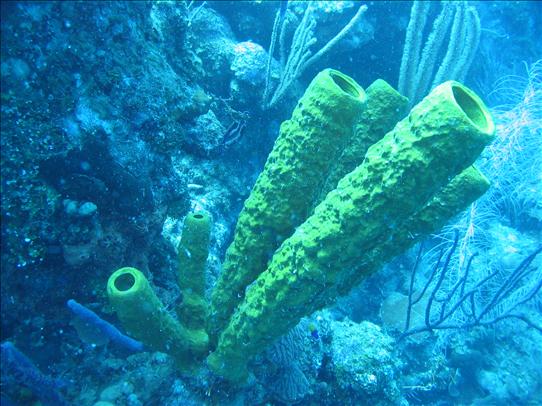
146, 318
345, 189
361, 219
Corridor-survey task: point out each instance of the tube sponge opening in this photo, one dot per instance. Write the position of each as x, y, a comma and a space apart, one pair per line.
473, 107
126, 281
347, 85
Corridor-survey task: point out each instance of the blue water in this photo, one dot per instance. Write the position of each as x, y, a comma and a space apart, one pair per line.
120, 118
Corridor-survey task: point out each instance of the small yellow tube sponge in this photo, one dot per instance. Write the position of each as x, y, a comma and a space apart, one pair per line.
192, 255
145, 318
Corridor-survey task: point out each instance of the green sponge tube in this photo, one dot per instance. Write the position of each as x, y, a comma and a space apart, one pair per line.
145, 318
442, 136
383, 109
321, 125
193, 251
462, 190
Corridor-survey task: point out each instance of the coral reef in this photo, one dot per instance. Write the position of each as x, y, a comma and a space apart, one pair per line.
364, 364
119, 119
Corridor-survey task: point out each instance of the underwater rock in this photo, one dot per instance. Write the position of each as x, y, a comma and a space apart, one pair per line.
212, 45
86, 209
249, 63
15, 67
73, 208
116, 391
206, 135
363, 363
77, 255
249, 69
510, 246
